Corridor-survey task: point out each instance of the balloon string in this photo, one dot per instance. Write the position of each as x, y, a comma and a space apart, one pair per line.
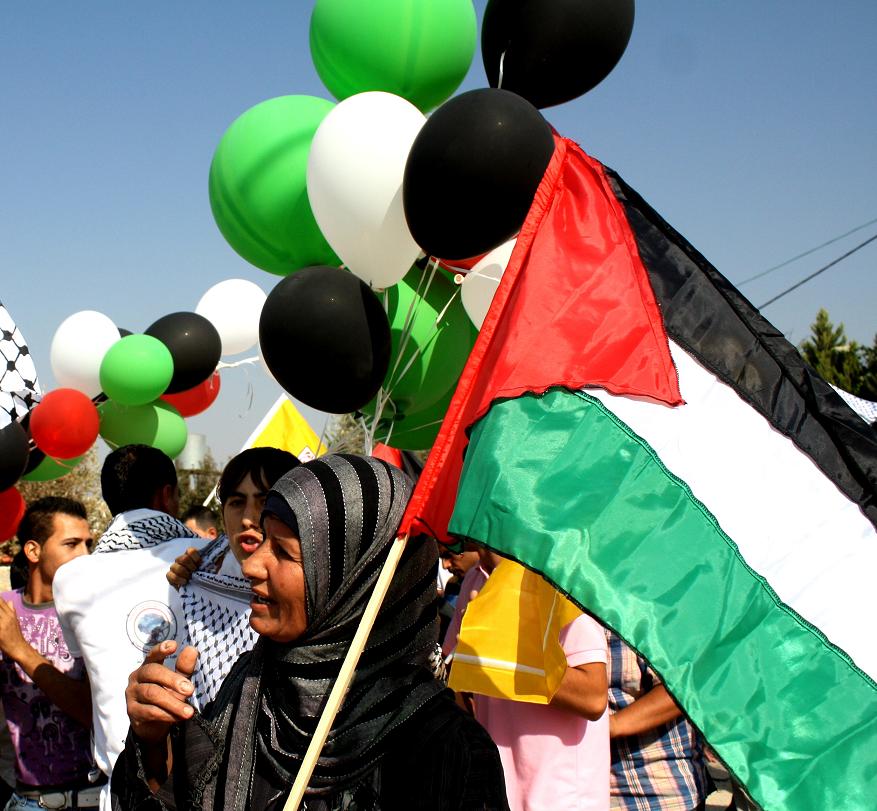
321, 443
419, 350
501, 64
369, 436
407, 327
384, 396
225, 365
441, 315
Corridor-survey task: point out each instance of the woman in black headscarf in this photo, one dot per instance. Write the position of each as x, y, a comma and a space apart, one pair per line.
399, 741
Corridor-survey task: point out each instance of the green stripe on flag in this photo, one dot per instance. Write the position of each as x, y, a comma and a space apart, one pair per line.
561, 485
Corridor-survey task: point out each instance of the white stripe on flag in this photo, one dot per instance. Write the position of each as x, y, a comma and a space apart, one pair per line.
791, 524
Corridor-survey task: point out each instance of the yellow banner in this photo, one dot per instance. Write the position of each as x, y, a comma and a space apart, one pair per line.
284, 427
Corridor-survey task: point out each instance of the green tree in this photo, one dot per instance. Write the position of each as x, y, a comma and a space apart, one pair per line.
868, 384
834, 357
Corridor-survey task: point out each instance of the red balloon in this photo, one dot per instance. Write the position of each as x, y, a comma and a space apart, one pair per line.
64, 424
11, 512
197, 399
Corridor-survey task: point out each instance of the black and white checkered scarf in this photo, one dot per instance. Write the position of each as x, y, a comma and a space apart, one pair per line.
216, 606
140, 529
19, 387
348, 510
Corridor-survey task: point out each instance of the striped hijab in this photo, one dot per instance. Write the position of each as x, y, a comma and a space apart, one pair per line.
346, 510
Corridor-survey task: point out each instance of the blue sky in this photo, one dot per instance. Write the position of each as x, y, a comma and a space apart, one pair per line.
751, 126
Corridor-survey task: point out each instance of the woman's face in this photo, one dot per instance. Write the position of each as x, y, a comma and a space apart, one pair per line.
240, 514
278, 582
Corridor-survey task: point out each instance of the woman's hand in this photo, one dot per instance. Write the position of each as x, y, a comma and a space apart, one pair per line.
184, 567
157, 697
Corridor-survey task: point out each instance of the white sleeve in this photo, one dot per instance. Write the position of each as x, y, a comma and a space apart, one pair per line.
60, 593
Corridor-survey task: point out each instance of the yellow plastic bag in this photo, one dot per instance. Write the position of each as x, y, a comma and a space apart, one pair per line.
509, 642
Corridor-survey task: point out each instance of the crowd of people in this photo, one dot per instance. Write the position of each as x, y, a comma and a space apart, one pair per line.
184, 662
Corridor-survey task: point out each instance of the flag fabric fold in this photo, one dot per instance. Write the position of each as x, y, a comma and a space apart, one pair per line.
722, 519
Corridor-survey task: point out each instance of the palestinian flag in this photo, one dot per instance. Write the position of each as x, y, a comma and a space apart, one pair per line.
630, 427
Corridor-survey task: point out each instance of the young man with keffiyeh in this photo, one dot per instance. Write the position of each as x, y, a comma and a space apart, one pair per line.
115, 604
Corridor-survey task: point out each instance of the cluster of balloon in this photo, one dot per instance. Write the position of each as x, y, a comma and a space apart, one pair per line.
176, 356
299, 185
130, 387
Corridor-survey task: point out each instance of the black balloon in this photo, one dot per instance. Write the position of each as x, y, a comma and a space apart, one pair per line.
194, 344
555, 50
13, 454
326, 339
472, 172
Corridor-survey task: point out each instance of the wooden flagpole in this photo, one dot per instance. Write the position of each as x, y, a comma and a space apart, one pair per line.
345, 676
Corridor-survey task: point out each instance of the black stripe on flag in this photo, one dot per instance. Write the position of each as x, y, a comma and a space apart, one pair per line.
715, 323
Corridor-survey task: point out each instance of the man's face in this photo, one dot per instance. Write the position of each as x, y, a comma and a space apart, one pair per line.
458, 563
70, 538
241, 512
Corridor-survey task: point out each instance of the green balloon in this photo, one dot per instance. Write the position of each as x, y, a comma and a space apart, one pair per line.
50, 469
258, 190
417, 49
424, 367
158, 424
136, 370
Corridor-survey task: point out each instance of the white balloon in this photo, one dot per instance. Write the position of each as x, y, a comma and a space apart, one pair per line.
480, 283
355, 170
78, 347
234, 307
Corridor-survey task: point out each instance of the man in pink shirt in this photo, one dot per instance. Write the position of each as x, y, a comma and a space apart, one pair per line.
556, 756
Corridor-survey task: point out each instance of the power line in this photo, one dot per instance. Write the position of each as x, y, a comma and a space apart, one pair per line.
806, 253
816, 273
